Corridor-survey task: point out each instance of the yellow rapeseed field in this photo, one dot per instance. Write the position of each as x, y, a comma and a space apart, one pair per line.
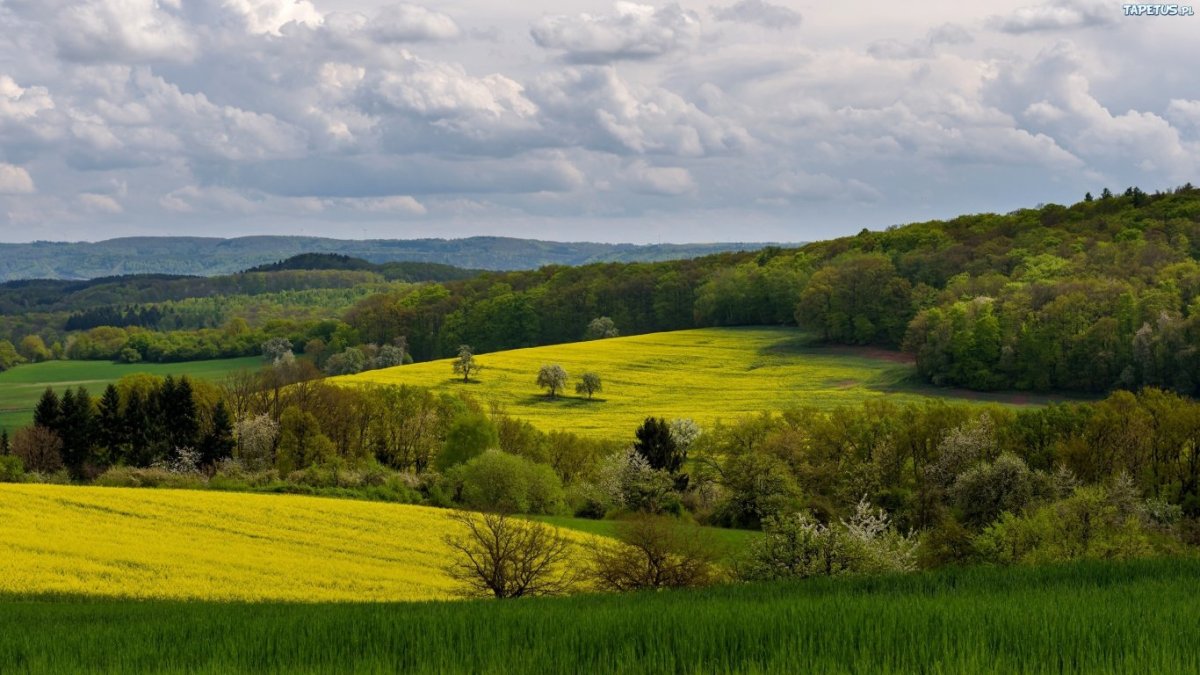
705, 374
183, 544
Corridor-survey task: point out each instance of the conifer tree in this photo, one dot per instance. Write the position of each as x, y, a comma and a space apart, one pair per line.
75, 428
110, 427
46, 413
218, 443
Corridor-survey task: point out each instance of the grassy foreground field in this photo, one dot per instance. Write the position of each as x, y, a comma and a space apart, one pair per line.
1138, 617
705, 374
182, 544
20, 387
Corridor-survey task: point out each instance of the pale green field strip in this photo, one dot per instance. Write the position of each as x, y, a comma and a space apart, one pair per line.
706, 374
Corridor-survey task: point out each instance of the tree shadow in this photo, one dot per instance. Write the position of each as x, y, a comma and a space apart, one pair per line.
559, 402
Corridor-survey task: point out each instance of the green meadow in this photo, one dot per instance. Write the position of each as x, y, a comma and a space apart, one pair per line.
21, 387
706, 374
1095, 617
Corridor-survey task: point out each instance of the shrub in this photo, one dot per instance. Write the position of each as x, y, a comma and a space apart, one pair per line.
498, 481
12, 469
985, 491
798, 546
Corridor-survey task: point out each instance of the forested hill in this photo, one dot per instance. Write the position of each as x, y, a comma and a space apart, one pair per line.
206, 257
1098, 295
392, 271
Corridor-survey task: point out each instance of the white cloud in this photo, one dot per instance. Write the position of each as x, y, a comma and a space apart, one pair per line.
413, 23
270, 16
670, 181
233, 116
759, 12
103, 204
634, 31
399, 204
122, 30
1060, 15
15, 180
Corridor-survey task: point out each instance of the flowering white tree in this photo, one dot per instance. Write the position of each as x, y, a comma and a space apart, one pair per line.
799, 546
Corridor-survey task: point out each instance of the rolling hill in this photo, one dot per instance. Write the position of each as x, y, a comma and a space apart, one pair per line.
706, 374
192, 545
210, 256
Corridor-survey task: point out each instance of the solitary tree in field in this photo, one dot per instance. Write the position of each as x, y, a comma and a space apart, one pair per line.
465, 363
552, 378
504, 557
589, 385
600, 328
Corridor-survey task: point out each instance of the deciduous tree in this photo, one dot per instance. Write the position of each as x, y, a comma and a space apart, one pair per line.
500, 556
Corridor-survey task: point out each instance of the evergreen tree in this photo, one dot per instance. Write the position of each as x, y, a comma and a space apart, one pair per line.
218, 443
46, 413
76, 429
136, 429
5, 447
658, 447
110, 426
180, 416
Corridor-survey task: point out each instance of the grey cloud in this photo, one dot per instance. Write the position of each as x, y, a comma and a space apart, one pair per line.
758, 12
946, 34
594, 107
634, 31
383, 176
1061, 15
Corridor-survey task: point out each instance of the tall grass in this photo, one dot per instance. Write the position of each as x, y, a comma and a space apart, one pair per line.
1137, 617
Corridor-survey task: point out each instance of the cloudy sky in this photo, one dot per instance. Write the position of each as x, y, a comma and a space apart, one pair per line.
721, 120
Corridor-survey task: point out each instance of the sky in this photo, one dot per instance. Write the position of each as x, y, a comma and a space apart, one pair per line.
645, 122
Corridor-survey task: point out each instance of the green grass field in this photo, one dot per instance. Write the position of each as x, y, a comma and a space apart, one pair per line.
20, 387
705, 374
1138, 617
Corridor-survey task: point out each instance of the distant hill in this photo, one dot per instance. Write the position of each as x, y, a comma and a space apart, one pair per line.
392, 271
208, 256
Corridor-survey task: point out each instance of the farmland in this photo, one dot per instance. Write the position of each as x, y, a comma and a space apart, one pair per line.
21, 386
1097, 617
179, 544
705, 374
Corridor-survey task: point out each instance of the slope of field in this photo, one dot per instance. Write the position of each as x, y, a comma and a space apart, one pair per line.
180, 544
706, 374
1085, 618
21, 387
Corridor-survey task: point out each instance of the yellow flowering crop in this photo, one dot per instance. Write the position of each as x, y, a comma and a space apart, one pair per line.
705, 374
183, 544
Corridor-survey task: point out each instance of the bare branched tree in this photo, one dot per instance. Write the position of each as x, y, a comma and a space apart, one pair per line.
655, 552
506, 557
